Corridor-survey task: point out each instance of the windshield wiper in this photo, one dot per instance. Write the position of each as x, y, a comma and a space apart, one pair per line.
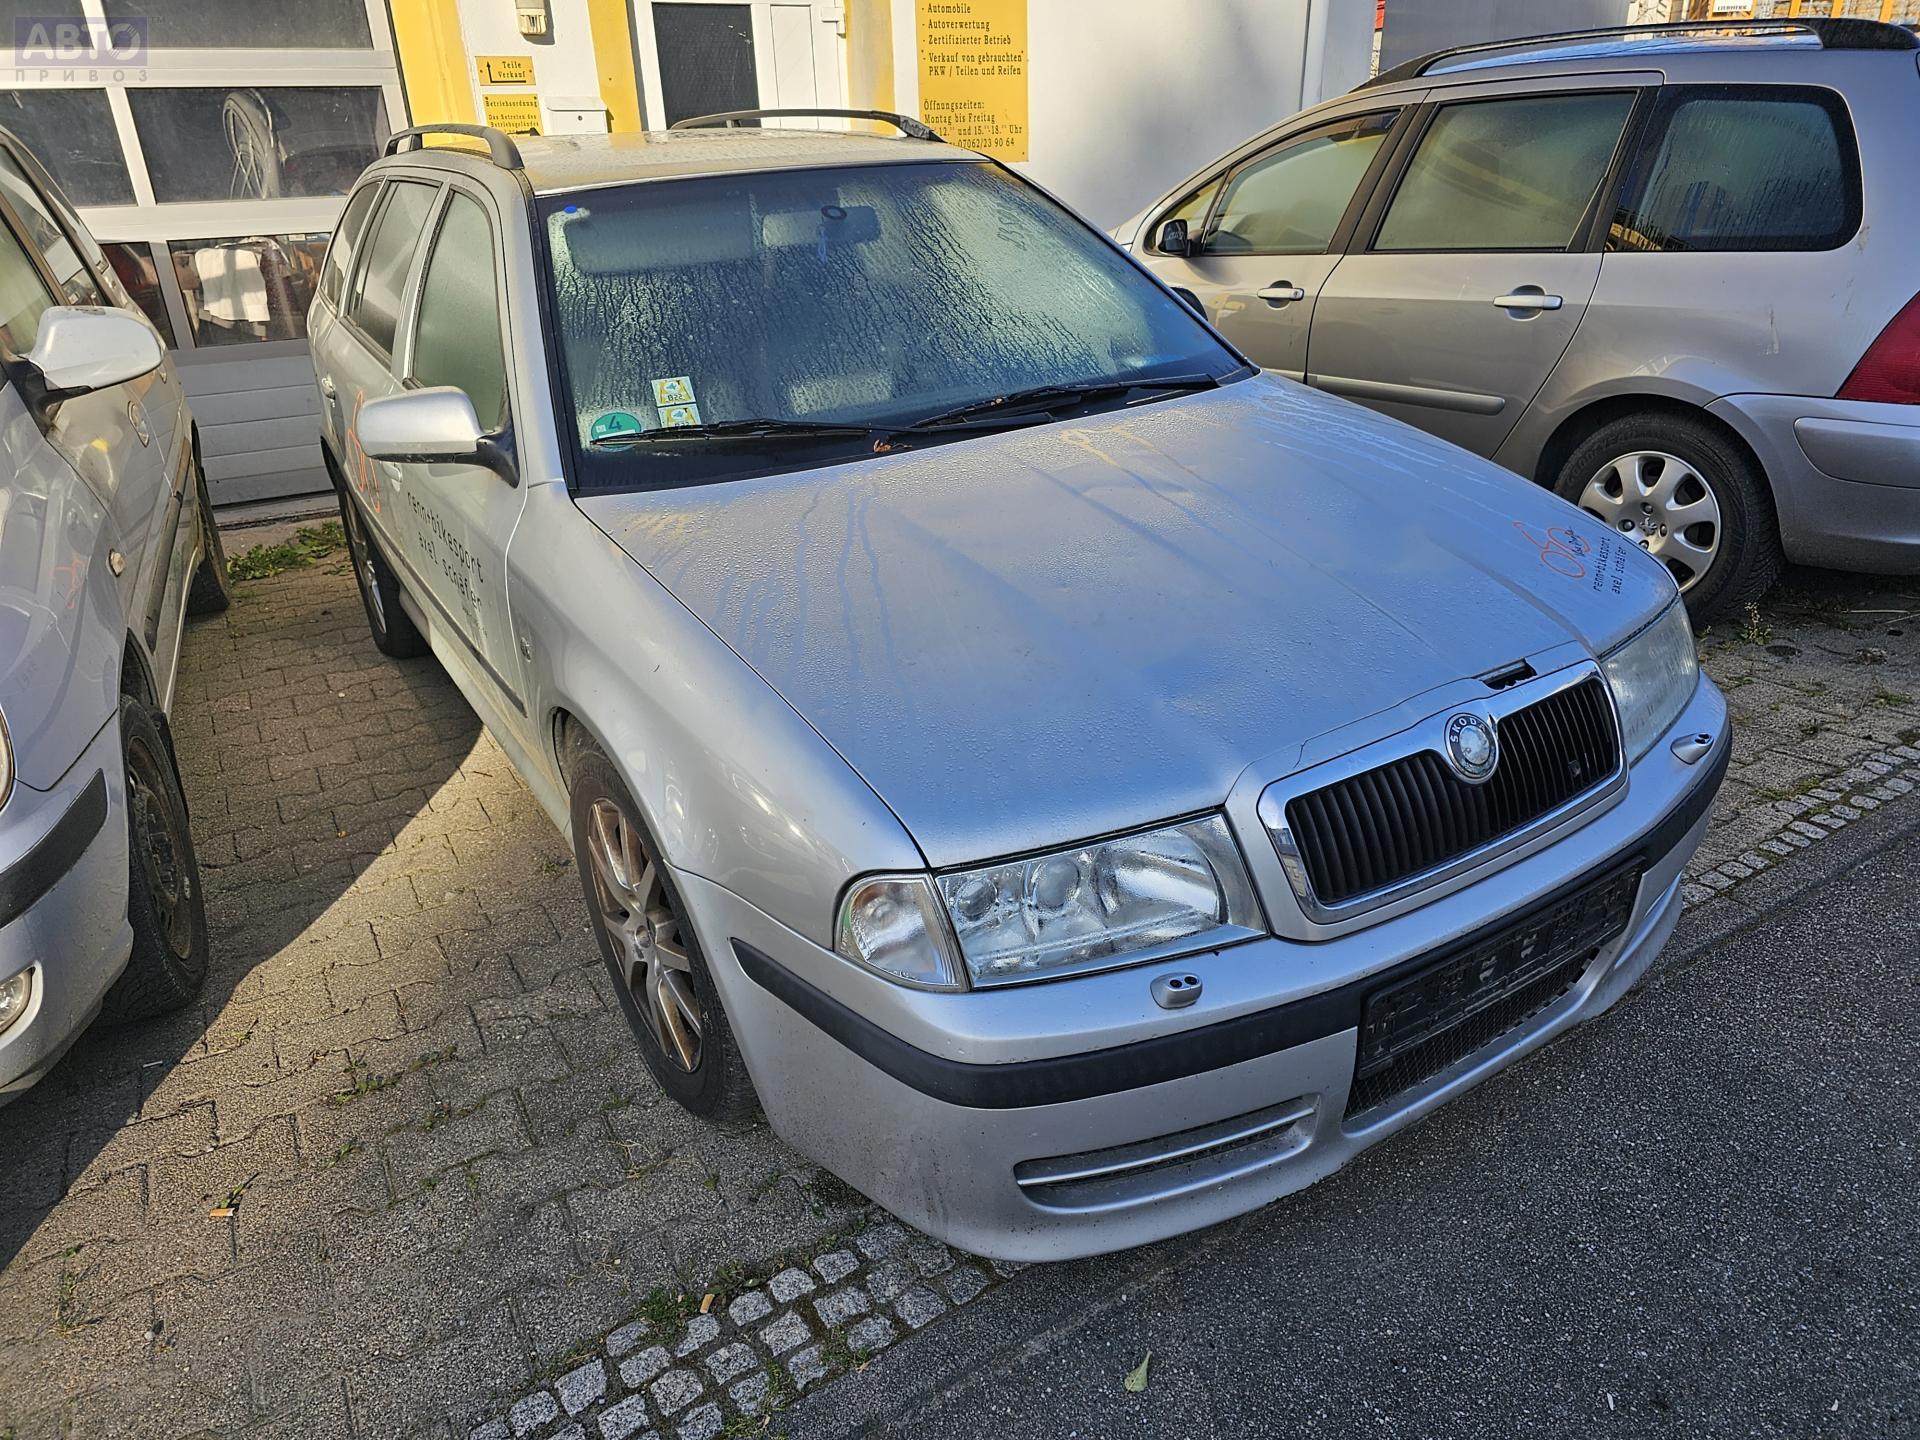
1043, 398
750, 429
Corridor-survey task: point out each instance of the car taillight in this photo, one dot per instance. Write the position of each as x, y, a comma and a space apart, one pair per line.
1890, 370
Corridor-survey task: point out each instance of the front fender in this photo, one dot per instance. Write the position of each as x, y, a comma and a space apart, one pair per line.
62, 628
735, 786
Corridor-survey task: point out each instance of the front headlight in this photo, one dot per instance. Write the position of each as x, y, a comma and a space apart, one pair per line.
14, 995
1171, 890
1653, 677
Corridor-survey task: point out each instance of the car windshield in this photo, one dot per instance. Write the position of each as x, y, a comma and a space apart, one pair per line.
790, 319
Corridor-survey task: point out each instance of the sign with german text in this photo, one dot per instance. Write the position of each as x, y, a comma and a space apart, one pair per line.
973, 73
515, 114
504, 69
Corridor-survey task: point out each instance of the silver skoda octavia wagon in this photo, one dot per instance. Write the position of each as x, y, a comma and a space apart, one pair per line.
1080, 787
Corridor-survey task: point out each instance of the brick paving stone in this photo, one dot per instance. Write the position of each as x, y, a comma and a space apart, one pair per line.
751, 1393
533, 1412
839, 1306
886, 1280
701, 1330
730, 1361
641, 1368
624, 1420
882, 1241
580, 1388
808, 1365
789, 1285
627, 1338
492, 1430
876, 1332
675, 1390
785, 1333
752, 1306
963, 1283
918, 1305
835, 1266
702, 1424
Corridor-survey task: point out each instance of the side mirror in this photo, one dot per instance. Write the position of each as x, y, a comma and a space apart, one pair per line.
1173, 239
436, 425
1190, 300
89, 347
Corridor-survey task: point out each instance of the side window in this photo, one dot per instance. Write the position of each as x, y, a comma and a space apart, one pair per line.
457, 338
23, 295
1289, 200
346, 236
375, 306
1191, 207
77, 284
1743, 168
1517, 174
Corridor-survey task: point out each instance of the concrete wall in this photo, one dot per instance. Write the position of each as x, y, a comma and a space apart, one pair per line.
1414, 27
1128, 97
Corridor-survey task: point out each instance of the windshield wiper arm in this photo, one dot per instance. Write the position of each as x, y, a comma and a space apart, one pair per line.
750, 429
1047, 397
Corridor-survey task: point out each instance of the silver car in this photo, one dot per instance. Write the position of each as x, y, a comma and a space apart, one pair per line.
1667, 272
1082, 786
106, 544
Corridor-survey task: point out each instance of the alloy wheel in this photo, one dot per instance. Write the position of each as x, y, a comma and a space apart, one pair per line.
644, 928
1664, 505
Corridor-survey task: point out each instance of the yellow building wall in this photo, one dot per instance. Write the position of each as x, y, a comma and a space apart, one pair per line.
433, 60
870, 54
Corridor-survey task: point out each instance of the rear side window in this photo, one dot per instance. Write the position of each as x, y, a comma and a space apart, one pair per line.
383, 279
1518, 174
1742, 167
1289, 201
457, 338
346, 236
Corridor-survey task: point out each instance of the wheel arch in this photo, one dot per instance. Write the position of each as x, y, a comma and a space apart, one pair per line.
1577, 428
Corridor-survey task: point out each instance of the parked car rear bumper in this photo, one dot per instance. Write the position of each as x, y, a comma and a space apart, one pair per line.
1845, 475
971, 1151
63, 906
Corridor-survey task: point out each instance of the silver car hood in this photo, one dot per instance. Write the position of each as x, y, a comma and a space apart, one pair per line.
1044, 635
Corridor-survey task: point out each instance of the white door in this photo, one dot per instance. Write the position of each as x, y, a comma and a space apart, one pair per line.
700, 57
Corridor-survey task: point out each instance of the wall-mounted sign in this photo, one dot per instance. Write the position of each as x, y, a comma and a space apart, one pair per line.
515, 114
973, 73
504, 69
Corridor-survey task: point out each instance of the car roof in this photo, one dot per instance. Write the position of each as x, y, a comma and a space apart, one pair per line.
1642, 47
557, 163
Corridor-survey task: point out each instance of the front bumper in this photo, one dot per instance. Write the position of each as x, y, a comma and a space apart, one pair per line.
1845, 476
943, 1111
63, 906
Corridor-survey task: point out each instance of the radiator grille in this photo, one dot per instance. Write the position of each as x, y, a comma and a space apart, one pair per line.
1376, 829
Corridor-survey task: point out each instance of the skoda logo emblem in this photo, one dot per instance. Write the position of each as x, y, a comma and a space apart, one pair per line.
1472, 748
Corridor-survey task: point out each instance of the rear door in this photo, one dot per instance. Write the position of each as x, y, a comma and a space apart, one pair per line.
1266, 233
328, 302
1472, 267
361, 350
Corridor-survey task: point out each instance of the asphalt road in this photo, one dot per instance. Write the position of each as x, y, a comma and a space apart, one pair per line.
1699, 1216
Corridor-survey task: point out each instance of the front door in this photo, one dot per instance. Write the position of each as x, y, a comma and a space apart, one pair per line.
1262, 248
700, 57
1480, 263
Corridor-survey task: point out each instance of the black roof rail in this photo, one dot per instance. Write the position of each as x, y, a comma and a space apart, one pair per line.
500, 145
913, 129
1833, 34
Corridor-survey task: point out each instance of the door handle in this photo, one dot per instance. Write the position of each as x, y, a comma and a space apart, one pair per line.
1281, 293
1529, 298
326, 386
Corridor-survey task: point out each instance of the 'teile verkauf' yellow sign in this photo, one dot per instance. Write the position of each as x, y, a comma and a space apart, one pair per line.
973, 73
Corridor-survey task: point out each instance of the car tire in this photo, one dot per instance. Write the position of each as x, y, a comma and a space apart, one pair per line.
394, 632
649, 946
165, 904
212, 590
1679, 486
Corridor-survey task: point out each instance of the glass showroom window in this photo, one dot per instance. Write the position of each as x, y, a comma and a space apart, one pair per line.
139, 271
71, 133
248, 24
251, 287
249, 142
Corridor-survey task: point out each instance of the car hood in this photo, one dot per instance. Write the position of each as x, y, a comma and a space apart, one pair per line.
1048, 634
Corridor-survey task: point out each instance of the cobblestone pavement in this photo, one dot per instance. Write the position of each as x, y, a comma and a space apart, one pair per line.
450, 1198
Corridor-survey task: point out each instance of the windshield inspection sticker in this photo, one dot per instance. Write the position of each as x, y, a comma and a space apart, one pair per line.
614, 422
675, 415
675, 390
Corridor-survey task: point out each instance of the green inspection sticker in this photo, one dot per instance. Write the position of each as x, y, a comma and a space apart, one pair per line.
615, 422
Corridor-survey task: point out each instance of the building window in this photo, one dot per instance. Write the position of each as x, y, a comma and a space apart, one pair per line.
253, 287
248, 143
248, 24
71, 133
706, 59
